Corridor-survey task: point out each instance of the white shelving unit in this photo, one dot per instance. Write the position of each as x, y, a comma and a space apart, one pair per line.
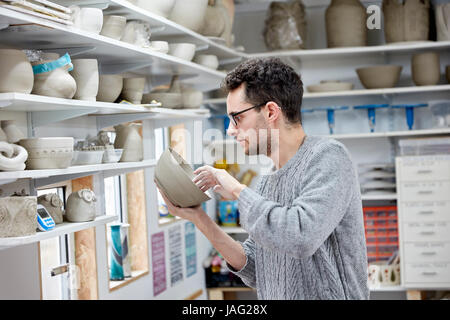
59, 230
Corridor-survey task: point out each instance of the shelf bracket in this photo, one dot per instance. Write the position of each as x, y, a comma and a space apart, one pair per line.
105, 121
42, 118
115, 68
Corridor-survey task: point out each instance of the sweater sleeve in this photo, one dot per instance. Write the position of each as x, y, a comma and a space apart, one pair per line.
301, 228
247, 273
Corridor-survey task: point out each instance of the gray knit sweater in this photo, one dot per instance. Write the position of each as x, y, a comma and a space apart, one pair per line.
305, 225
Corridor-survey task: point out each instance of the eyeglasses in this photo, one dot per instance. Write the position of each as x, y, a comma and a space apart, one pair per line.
234, 115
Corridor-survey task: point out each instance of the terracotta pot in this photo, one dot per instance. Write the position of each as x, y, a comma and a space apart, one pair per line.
133, 89
110, 87
85, 73
12, 132
346, 24
174, 176
376, 77
425, 69
16, 73
12, 157
18, 216
129, 139
113, 26
406, 20
48, 153
189, 14
81, 206
53, 203
57, 83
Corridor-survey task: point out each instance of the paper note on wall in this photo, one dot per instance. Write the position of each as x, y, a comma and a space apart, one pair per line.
190, 250
175, 255
159, 263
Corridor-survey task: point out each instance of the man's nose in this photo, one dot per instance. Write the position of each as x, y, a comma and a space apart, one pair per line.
231, 131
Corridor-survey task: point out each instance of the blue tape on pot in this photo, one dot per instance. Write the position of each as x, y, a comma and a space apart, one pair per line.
330, 114
371, 113
52, 65
409, 110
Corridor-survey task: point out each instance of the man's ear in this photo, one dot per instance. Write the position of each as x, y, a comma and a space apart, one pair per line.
273, 112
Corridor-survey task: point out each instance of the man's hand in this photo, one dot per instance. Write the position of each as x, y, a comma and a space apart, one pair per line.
220, 180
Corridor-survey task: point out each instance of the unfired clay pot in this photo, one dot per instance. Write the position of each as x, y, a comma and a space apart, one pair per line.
16, 73
85, 73
425, 69
406, 20
189, 14
129, 139
12, 157
385, 76
18, 216
81, 206
53, 203
346, 24
113, 26
133, 89
57, 83
218, 21
110, 87
442, 15
88, 19
48, 153
13, 133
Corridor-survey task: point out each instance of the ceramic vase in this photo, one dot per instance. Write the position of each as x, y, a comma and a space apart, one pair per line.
12, 157
406, 20
116, 262
159, 7
16, 73
53, 203
425, 68
81, 206
57, 83
126, 259
133, 89
13, 134
442, 16
48, 153
346, 24
110, 87
189, 14
85, 73
87, 19
113, 26
129, 139
18, 216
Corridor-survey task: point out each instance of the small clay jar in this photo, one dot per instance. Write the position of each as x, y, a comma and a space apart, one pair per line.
425, 68
81, 206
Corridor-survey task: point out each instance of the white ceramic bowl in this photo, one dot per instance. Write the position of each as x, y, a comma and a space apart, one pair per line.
184, 51
48, 153
174, 176
81, 158
385, 76
207, 60
170, 100
113, 26
112, 155
109, 87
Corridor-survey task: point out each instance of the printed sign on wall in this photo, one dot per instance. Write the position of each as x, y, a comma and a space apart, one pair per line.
175, 254
191, 250
159, 263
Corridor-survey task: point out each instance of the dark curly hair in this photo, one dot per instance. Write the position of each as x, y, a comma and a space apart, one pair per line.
269, 80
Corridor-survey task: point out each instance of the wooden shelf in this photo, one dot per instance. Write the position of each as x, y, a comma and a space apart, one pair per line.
59, 230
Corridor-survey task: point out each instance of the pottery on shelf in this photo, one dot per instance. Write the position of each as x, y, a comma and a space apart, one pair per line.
12, 157
81, 157
48, 153
81, 206
129, 139
330, 86
133, 89
285, 26
109, 87
13, 133
170, 100
159, 7
137, 33
189, 14
16, 73
346, 24
218, 21
207, 60
113, 26
174, 177
112, 155
185, 51
85, 73
159, 46
87, 19
425, 68
442, 16
406, 20
54, 205
191, 98
384, 76
18, 216
57, 83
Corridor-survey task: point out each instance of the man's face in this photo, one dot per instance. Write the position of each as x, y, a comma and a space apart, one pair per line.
251, 130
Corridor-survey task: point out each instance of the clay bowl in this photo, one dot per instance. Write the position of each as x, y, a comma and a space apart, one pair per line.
174, 177
81, 158
185, 51
385, 76
171, 100
207, 60
48, 153
328, 86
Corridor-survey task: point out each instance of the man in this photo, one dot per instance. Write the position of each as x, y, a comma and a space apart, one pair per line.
305, 221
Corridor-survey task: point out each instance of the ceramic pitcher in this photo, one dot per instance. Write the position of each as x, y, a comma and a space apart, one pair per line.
129, 139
